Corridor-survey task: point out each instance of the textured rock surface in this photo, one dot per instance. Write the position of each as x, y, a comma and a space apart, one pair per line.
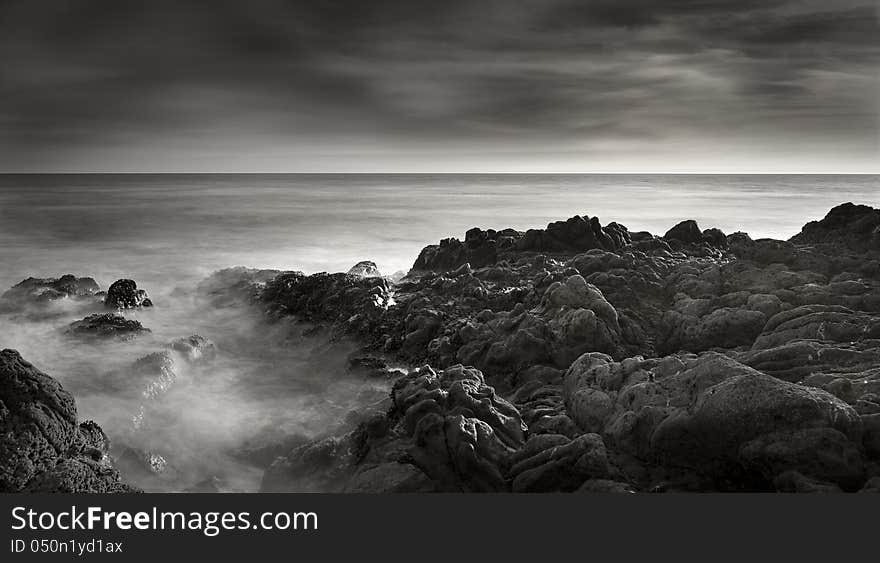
106, 325
42, 448
124, 294
694, 361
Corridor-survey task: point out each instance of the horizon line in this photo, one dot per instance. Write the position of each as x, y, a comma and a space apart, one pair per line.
430, 173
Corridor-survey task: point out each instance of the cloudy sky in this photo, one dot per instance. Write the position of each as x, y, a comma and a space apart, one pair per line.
440, 86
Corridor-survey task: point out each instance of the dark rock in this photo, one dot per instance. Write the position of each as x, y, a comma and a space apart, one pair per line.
715, 415
106, 325
352, 302
42, 449
853, 226
463, 432
124, 294
686, 231
546, 465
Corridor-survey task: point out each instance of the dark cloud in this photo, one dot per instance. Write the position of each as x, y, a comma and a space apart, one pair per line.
131, 85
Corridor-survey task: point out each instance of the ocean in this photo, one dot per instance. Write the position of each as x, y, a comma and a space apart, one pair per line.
168, 232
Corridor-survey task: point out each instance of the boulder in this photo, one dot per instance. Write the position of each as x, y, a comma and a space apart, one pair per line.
686, 231
365, 269
124, 294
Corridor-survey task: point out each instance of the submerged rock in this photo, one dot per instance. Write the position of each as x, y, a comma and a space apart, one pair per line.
38, 291
194, 348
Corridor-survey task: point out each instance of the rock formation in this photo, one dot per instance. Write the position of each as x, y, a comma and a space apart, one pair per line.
582, 357
43, 448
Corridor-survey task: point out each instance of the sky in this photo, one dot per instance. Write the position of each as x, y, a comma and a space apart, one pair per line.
663, 86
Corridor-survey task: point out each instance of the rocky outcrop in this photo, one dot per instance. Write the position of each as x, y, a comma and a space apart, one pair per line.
350, 303
484, 248
101, 326
856, 227
443, 430
579, 357
42, 446
693, 361
124, 294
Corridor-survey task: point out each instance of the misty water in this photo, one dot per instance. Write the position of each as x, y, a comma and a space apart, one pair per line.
269, 381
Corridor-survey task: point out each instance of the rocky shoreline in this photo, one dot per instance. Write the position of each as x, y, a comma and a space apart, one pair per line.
579, 357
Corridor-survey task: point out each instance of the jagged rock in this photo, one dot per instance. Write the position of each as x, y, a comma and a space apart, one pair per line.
42, 449
106, 325
484, 248
593, 303
365, 269
350, 301
124, 294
